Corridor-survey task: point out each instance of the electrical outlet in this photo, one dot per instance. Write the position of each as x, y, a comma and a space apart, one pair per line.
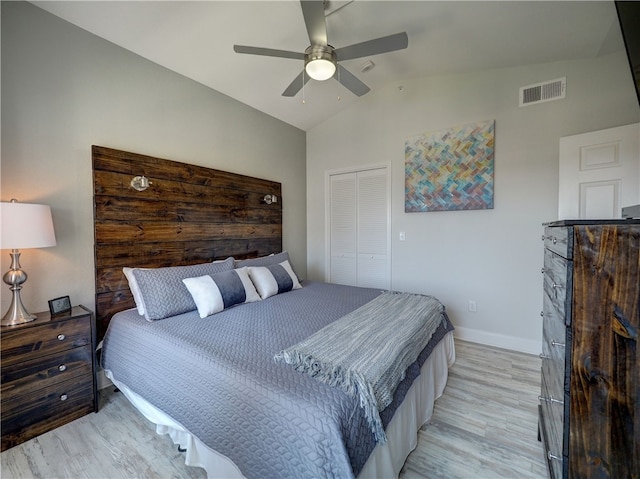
473, 307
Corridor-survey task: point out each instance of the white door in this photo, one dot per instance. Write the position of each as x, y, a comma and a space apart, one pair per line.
359, 216
343, 229
373, 232
599, 173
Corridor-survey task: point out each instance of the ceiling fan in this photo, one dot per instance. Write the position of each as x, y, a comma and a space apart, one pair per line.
321, 59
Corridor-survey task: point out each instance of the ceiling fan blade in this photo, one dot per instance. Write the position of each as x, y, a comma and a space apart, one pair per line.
345, 77
270, 52
386, 44
296, 84
313, 13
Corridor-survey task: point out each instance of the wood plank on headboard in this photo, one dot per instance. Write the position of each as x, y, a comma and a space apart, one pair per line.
189, 214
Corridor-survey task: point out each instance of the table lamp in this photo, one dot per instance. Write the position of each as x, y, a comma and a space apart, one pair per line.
22, 226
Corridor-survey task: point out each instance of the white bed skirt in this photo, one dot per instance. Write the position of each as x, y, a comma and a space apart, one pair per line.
385, 461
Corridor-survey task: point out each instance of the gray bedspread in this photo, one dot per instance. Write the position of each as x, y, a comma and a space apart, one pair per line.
217, 377
367, 352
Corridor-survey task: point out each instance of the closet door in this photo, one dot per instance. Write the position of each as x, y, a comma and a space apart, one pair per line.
372, 237
359, 228
343, 244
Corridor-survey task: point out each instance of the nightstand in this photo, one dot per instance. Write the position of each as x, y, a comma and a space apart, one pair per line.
48, 374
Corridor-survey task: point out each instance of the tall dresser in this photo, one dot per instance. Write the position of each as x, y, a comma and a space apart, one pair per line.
589, 412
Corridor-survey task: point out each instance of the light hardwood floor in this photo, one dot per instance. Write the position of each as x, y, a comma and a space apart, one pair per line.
484, 426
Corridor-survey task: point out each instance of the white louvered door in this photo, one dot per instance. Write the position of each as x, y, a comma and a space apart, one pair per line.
359, 228
343, 237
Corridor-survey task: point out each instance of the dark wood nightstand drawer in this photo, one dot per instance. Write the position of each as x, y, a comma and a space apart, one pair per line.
25, 343
38, 373
45, 409
48, 374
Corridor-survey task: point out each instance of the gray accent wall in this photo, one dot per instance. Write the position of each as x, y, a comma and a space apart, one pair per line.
64, 89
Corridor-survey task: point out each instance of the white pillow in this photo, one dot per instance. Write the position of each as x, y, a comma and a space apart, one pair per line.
274, 279
213, 293
135, 289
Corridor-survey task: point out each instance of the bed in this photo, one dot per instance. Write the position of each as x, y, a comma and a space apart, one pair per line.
213, 377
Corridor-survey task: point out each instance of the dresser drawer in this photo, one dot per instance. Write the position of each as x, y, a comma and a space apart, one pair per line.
552, 452
557, 284
559, 240
553, 366
554, 465
26, 377
47, 338
553, 408
45, 409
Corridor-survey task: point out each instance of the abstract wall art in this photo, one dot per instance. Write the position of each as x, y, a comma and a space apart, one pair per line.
450, 169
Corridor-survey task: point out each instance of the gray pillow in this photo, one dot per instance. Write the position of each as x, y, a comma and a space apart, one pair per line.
263, 261
164, 294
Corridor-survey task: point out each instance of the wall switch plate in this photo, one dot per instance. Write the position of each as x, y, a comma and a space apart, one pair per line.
402, 236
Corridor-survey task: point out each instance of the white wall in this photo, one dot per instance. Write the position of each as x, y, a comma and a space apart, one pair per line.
490, 256
64, 90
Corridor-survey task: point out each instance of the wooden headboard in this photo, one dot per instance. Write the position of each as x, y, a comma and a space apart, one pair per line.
188, 214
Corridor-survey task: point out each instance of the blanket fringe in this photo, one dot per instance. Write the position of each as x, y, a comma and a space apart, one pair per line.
351, 382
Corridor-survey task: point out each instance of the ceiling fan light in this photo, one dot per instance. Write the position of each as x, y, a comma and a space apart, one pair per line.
320, 69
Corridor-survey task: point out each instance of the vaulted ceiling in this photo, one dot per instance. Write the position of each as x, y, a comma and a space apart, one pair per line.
196, 40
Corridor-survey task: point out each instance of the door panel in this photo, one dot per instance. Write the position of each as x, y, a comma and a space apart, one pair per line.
599, 173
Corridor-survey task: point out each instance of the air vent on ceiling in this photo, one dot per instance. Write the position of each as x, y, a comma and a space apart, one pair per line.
542, 92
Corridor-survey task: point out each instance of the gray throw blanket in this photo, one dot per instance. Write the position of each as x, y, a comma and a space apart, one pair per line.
367, 351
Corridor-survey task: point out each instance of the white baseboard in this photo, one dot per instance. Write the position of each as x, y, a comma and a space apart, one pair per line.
499, 340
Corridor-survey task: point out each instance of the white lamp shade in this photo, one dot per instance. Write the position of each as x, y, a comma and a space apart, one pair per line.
25, 225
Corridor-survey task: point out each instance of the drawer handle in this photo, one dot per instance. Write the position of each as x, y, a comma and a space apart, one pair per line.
552, 456
61, 337
64, 397
556, 343
543, 356
542, 270
62, 367
556, 285
542, 237
542, 313
551, 400
554, 240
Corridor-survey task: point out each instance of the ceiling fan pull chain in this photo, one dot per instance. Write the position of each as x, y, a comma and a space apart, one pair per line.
303, 101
